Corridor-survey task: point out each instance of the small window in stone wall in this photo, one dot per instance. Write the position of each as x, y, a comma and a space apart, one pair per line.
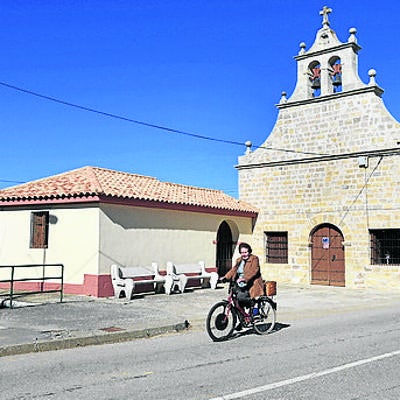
276, 247
39, 230
385, 246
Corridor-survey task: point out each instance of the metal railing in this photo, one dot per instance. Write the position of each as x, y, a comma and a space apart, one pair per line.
38, 281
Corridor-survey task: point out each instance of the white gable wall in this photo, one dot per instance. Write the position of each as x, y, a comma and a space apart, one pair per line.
88, 238
139, 236
73, 240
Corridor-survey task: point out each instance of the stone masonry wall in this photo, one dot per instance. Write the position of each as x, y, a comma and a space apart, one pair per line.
297, 196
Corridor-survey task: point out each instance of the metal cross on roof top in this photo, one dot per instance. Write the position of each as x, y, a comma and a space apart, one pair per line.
324, 12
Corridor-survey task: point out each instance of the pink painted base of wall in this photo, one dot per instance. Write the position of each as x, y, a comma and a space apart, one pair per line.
98, 285
93, 285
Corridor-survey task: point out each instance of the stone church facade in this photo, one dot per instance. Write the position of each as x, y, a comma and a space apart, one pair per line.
326, 178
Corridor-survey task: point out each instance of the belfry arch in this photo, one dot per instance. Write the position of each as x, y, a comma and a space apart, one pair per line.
314, 72
335, 72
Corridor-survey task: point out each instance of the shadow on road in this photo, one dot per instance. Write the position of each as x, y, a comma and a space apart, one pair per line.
250, 331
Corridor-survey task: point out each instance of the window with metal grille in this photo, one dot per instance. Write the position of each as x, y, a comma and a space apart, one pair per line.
276, 247
385, 246
39, 230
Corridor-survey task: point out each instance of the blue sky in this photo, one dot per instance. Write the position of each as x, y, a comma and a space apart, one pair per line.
214, 68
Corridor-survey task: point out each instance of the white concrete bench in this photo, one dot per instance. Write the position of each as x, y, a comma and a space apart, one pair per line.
189, 272
127, 279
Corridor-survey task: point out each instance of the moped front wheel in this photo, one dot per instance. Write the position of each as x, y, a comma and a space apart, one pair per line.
220, 321
264, 322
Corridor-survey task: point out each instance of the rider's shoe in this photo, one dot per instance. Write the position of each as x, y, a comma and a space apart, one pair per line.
247, 322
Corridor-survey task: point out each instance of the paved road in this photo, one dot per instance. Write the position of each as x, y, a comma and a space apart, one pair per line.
352, 354
81, 320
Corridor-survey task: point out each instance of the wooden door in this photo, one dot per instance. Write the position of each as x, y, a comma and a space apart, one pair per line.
328, 263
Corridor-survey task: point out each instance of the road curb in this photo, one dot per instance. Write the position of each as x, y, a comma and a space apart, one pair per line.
90, 340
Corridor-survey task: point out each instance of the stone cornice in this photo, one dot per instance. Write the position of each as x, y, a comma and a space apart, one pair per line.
327, 50
367, 89
308, 160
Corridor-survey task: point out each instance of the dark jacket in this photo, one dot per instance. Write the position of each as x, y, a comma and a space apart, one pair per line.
252, 275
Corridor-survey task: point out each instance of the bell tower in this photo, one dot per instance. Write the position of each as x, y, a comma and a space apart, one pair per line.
326, 177
329, 66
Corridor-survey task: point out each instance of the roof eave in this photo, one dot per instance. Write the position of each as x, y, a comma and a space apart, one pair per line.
128, 202
178, 206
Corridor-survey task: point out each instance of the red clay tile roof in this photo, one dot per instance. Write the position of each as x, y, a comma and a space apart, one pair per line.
97, 182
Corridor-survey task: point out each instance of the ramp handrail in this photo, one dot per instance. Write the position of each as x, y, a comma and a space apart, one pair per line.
37, 279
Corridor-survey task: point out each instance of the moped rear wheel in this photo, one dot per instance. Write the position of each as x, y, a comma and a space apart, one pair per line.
220, 322
264, 322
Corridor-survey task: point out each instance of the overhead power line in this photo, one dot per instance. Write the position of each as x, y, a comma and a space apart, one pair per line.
147, 124
8, 181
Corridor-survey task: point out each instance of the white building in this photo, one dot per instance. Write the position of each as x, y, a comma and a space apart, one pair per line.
90, 218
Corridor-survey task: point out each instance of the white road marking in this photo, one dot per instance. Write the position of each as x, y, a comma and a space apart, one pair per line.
302, 378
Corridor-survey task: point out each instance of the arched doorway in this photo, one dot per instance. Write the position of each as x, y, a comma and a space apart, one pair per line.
327, 256
224, 248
